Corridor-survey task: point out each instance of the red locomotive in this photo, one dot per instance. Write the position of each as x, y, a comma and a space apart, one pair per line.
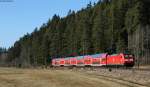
102, 59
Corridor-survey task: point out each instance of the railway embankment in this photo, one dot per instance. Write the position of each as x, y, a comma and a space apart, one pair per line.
138, 76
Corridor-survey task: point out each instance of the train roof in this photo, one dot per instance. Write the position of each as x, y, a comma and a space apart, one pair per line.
114, 55
80, 57
102, 55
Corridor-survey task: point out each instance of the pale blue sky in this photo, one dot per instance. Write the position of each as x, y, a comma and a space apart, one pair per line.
22, 16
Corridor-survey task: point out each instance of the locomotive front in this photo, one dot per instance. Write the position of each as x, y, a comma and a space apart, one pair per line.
129, 60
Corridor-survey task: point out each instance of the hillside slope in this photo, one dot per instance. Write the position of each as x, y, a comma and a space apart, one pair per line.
108, 24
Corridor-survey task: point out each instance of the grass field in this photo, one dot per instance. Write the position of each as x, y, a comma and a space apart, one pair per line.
11, 77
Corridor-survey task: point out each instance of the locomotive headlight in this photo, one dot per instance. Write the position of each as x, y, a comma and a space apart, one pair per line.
130, 56
128, 60
131, 59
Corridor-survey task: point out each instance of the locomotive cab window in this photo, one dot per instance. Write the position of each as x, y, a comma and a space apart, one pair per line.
128, 56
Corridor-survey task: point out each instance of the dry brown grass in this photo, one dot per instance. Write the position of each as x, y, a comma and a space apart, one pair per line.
11, 77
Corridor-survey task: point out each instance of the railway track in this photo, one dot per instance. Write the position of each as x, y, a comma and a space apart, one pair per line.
119, 81
142, 69
106, 68
131, 77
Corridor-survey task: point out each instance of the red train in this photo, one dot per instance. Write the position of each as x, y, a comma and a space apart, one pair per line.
96, 60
